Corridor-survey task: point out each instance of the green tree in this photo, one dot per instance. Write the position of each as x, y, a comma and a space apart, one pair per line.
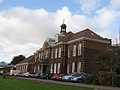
17, 59
109, 60
108, 66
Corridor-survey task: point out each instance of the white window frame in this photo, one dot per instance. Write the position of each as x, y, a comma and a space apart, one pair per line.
73, 67
68, 68
46, 54
79, 67
52, 51
51, 71
79, 49
56, 53
59, 55
39, 56
58, 69
55, 65
74, 50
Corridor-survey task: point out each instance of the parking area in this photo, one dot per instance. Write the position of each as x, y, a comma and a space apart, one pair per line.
75, 84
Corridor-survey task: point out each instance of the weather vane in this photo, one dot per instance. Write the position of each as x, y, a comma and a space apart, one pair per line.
63, 20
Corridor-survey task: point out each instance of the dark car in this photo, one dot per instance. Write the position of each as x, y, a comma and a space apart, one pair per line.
37, 75
45, 76
49, 75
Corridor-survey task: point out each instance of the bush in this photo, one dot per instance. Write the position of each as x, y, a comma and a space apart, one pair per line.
96, 81
116, 82
89, 79
106, 78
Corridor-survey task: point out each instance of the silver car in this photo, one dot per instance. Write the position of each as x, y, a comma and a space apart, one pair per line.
68, 77
78, 78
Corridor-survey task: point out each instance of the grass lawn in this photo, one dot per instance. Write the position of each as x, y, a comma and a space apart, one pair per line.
19, 84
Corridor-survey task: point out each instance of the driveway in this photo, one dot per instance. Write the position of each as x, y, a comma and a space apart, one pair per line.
76, 84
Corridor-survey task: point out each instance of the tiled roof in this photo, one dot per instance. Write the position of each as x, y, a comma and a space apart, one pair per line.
84, 33
30, 59
66, 37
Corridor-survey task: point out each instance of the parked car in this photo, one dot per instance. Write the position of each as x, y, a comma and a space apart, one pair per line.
31, 75
43, 76
46, 76
55, 77
60, 76
27, 74
78, 78
49, 75
37, 75
69, 76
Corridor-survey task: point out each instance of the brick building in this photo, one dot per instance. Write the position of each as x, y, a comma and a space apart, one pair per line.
70, 52
26, 65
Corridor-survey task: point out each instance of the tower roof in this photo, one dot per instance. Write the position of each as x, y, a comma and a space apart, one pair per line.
63, 25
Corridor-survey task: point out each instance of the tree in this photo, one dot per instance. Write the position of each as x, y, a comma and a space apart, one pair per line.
17, 59
109, 60
108, 67
3, 63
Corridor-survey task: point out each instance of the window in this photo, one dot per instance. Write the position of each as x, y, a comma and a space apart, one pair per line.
74, 50
58, 71
79, 67
56, 53
46, 54
51, 68
68, 68
73, 67
55, 68
59, 55
79, 49
69, 51
52, 54
41, 56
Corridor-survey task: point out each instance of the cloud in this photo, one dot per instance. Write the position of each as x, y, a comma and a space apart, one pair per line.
23, 31
88, 6
115, 4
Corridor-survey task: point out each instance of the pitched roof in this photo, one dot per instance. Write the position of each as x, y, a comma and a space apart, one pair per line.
66, 37
30, 59
84, 33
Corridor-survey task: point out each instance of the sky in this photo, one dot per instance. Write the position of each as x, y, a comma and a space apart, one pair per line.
25, 24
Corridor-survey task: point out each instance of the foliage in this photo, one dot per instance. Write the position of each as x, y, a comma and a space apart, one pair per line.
20, 84
108, 67
89, 79
17, 59
117, 81
106, 78
3, 63
109, 60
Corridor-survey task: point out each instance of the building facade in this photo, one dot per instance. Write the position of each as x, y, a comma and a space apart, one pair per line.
70, 52
26, 65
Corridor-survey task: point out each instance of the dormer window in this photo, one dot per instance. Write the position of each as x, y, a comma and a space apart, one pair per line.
92, 34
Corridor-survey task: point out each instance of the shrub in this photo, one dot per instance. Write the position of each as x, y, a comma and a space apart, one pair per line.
106, 78
89, 79
116, 82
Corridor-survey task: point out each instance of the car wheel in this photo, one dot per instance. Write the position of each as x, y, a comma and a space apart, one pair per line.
79, 80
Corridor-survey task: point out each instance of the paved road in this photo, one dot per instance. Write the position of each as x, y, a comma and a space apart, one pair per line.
76, 84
